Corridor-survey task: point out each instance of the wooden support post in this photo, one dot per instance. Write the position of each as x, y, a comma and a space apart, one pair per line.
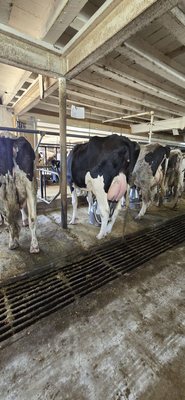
151, 127
63, 157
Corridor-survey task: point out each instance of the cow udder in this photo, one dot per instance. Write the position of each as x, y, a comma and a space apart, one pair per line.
117, 188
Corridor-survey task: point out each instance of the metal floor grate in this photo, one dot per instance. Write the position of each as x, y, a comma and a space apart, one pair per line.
31, 297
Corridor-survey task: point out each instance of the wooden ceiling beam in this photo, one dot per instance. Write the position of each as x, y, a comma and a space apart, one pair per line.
31, 96
169, 124
25, 38
90, 111
97, 104
90, 92
174, 23
110, 97
155, 61
18, 54
7, 97
51, 108
65, 12
137, 85
142, 81
115, 22
117, 89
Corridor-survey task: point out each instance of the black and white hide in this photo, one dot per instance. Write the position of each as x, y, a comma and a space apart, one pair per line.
102, 166
174, 179
18, 187
149, 173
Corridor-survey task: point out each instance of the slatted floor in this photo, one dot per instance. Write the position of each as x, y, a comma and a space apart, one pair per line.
31, 297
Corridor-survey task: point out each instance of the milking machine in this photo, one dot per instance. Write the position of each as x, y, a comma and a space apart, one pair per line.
94, 213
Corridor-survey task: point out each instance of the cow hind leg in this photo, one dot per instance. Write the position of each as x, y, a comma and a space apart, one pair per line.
114, 216
146, 200
14, 230
31, 204
75, 205
89, 200
104, 212
96, 185
1, 219
25, 221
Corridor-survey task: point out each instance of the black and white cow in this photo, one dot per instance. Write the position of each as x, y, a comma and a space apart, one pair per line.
102, 166
149, 173
18, 187
174, 179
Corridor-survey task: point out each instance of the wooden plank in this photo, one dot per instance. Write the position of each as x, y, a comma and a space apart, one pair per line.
91, 110
29, 57
117, 89
175, 24
116, 23
169, 124
143, 77
138, 84
154, 60
64, 14
63, 156
109, 97
109, 100
97, 104
32, 95
24, 38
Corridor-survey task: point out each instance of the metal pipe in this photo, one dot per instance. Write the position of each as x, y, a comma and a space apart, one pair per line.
37, 132
151, 126
39, 142
63, 153
129, 116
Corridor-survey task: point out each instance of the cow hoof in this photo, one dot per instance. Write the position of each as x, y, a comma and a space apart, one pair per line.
73, 222
25, 222
34, 250
138, 217
109, 229
101, 236
13, 245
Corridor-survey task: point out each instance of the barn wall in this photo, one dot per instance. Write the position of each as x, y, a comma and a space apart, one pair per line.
5, 117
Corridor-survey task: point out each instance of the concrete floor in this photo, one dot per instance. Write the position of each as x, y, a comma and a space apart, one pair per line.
124, 341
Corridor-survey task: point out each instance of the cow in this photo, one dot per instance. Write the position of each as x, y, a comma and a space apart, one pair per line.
18, 187
102, 166
174, 178
23, 209
149, 173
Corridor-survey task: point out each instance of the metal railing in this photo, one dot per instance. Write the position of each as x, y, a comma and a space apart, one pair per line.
43, 174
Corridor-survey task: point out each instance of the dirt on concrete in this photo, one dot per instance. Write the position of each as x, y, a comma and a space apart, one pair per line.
125, 341
59, 245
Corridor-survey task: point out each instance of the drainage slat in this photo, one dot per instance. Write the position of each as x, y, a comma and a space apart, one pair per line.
33, 296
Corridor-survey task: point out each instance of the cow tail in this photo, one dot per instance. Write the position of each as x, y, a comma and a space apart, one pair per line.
165, 170
9, 194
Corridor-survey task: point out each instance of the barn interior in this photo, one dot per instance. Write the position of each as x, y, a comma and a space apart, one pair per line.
70, 70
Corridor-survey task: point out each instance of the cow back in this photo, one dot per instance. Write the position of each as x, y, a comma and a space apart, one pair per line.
6, 155
25, 156
107, 156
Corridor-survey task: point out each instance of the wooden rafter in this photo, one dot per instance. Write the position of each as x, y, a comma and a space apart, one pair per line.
118, 21
62, 17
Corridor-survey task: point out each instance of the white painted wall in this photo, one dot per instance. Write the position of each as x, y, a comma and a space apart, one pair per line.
5, 117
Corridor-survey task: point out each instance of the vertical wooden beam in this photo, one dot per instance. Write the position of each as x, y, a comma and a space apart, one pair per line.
63, 157
151, 126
